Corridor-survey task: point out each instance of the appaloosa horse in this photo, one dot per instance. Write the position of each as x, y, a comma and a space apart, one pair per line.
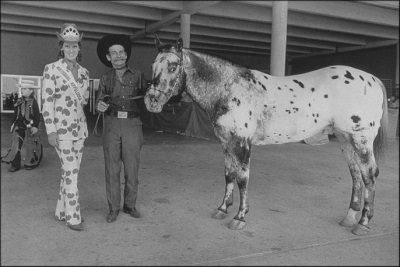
248, 107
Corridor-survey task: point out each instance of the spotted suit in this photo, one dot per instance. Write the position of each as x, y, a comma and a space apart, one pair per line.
63, 114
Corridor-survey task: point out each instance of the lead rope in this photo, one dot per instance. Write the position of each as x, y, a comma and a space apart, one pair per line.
102, 115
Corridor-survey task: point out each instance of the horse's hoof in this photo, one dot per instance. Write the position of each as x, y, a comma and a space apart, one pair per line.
236, 225
360, 230
219, 215
348, 222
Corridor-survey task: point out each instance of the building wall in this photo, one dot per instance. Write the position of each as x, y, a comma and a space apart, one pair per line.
27, 54
380, 61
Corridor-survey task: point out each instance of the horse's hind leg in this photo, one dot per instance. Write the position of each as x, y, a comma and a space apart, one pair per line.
361, 161
356, 193
369, 170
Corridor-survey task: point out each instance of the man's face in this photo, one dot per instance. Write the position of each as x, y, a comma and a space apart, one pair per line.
117, 56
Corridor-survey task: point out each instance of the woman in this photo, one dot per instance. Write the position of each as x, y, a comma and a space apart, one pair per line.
25, 124
65, 92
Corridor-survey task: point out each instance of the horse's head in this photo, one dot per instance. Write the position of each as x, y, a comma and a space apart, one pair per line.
168, 76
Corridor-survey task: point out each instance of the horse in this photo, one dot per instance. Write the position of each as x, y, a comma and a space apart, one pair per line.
247, 107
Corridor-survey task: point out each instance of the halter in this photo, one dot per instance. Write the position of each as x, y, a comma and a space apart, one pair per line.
180, 68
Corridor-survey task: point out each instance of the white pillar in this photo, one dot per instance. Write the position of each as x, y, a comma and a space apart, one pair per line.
397, 69
279, 34
185, 30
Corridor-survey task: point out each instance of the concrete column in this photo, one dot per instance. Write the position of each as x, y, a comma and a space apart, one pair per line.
185, 30
396, 87
279, 33
396, 84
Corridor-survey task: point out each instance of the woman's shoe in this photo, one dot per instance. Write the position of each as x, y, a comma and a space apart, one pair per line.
82, 220
77, 227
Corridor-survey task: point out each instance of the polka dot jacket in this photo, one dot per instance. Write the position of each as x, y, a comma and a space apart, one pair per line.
61, 111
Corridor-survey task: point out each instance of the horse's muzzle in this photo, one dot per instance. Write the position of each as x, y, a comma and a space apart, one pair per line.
153, 102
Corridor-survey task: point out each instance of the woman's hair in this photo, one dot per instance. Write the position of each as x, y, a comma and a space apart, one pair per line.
61, 52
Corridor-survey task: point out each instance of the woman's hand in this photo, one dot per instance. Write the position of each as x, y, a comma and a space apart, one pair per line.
53, 139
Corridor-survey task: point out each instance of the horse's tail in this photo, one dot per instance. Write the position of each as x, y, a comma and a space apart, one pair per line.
380, 142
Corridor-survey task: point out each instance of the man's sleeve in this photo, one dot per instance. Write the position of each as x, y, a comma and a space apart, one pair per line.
101, 90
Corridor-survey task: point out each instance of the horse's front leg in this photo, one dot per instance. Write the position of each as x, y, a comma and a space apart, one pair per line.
222, 211
240, 170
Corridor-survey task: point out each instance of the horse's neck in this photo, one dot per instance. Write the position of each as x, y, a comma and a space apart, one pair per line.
205, 77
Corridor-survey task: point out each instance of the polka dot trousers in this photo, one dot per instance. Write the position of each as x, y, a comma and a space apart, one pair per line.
70, 154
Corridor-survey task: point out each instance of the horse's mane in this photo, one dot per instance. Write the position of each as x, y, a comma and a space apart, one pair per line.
169, 48
235, 64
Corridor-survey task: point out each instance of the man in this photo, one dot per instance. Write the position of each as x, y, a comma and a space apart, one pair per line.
122, 135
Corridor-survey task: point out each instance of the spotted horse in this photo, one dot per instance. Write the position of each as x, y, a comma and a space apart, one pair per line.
248, 107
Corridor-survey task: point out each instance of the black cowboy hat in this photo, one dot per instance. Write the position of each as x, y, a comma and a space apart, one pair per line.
110, 40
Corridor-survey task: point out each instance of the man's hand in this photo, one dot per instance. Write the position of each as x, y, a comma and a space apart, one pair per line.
102, 106
34, 130
53, 139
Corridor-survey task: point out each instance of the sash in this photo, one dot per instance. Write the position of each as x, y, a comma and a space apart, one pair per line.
72, 84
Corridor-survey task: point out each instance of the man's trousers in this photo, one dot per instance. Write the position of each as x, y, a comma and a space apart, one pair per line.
122, 142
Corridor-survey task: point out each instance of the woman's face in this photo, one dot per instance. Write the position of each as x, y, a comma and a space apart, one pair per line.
71, 50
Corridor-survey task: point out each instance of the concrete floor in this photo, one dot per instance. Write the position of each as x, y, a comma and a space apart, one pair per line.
297, 192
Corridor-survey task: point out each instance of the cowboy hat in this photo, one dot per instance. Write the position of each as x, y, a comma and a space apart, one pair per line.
27, 84
109, 40
69, 33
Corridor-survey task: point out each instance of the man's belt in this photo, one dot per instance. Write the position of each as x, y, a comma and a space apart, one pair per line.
123, 114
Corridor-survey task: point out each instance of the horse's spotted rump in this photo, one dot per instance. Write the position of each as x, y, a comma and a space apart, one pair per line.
355, 118
361, 77
335, 77
299, 83
348, 75
236, 100
312, 89
325, 96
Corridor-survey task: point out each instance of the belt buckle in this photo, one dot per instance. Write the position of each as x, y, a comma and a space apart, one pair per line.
122, 114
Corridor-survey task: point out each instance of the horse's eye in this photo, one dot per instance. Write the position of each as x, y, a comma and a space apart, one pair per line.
172, 69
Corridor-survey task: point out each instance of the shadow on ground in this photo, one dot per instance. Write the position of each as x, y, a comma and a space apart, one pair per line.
297, 194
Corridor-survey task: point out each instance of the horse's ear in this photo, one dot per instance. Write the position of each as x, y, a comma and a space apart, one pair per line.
179, 44
158, 43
